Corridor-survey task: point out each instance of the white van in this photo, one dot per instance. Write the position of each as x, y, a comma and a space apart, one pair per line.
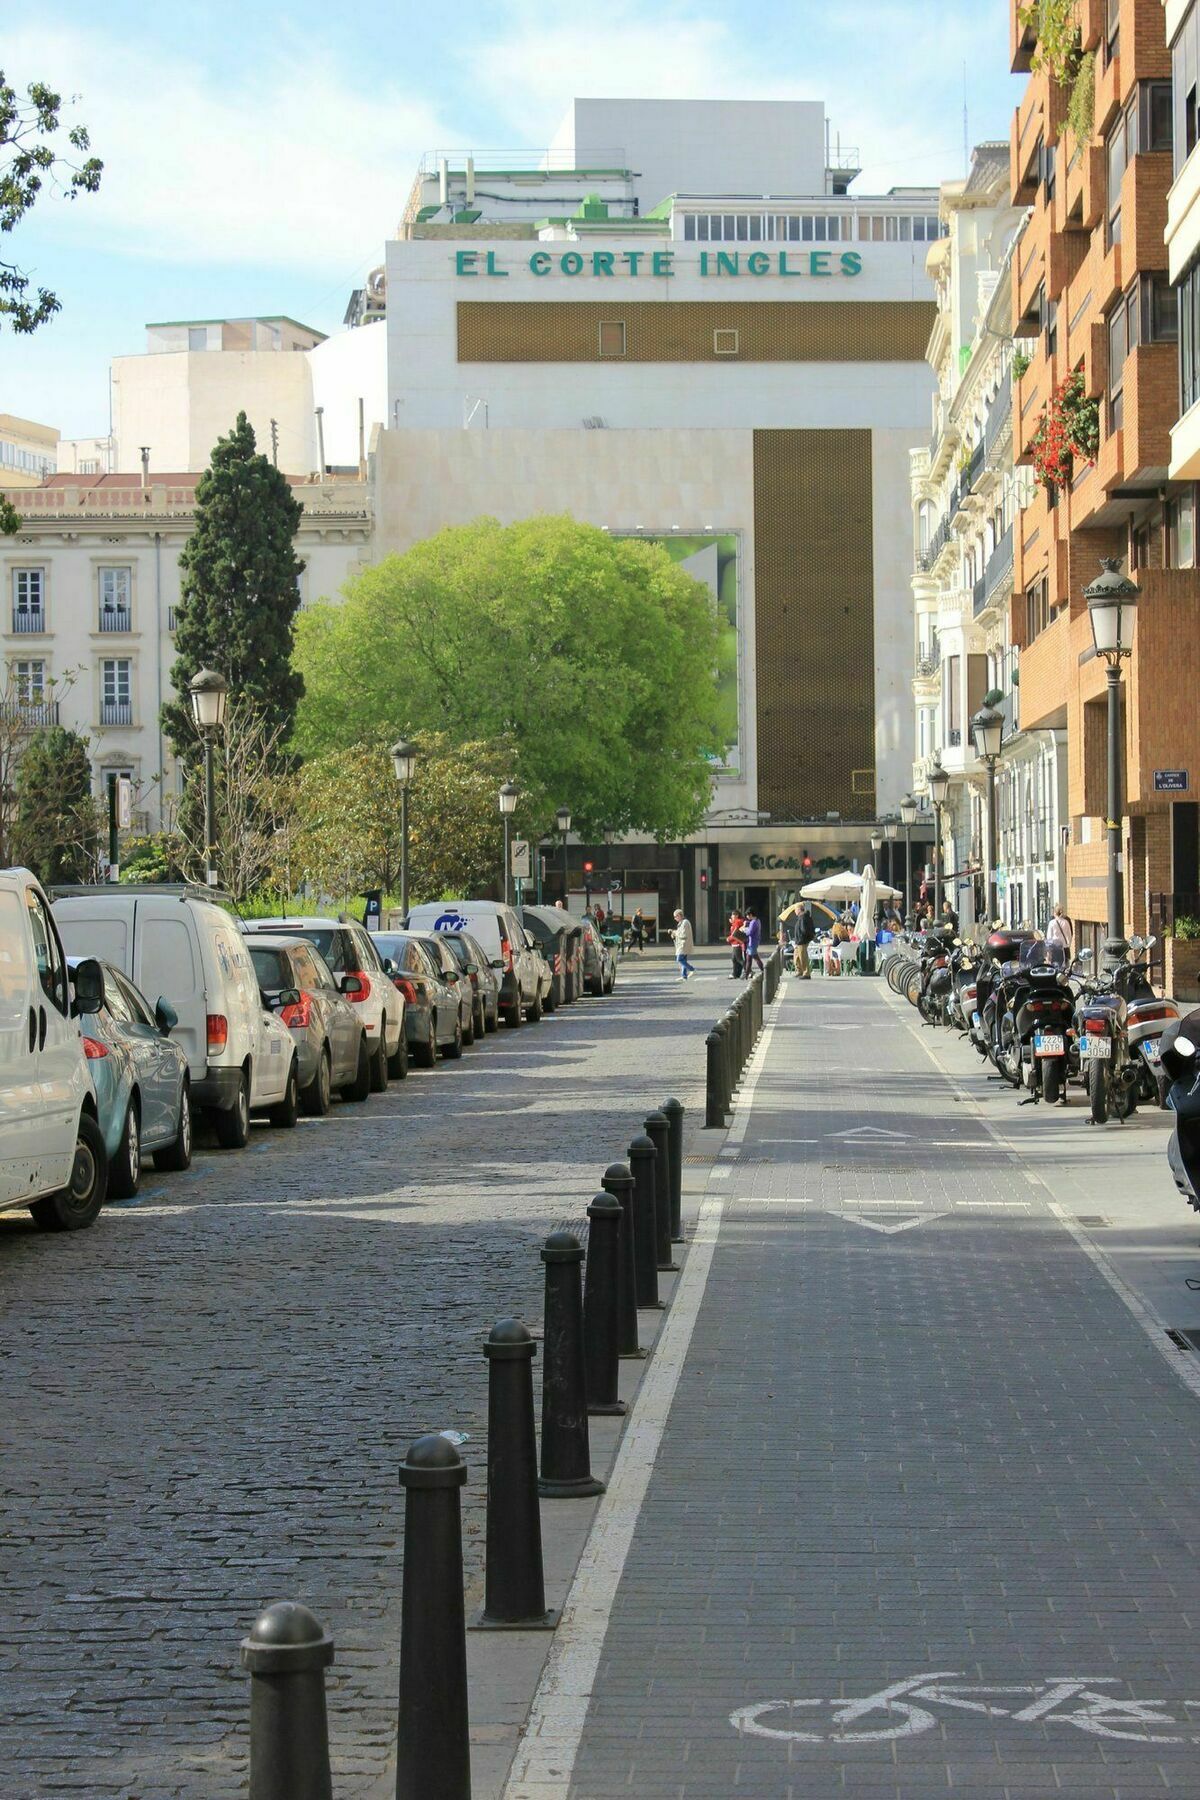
176, 943
510, 949
52, 1156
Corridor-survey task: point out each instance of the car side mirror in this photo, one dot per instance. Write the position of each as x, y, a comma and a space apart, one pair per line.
350, 984
89, 986
389, 967
472, 968
288, 997
165, 1017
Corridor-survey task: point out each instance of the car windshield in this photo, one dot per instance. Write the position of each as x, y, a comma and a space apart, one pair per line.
270, 967
391, 943
321, 935
457, 949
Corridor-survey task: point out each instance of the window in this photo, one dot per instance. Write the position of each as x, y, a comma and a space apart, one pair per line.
1154, 115
725, 343
115, 588
1188, 319
1159, 312
116, 691
1112, 30
1118, 346
1141, 537
89, 466
29, 593
1181, 531
612, 337
52, 968
197, 337
1185, 86
1052, 327
1037, 609
30, 678
1118, 152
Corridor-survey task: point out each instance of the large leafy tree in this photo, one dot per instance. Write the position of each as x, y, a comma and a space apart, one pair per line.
596, 656
346, 831
29, 160
57, 825
238, 595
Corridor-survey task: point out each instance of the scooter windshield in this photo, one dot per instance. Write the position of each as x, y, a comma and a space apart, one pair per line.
1040, 955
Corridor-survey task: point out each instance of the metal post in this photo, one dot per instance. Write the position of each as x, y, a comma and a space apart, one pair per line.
566, 893
287, 1653
507, 862
993, 844
672, 1111
1116, 878
404, 849
643, 1158
618, 1182
659, 1133
907, 870
937, 861
433, 1750
514, 1586
601, 1319
210, 811
114, 849
566, 1453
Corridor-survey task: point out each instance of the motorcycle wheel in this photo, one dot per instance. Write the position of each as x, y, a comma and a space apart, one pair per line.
1008, 1061
1164, 1088
1097, 1087
1053, 1085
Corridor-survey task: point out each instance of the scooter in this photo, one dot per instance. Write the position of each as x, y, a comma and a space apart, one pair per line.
1043, 1006
1180, 1054
1146, 1018
1108, 1073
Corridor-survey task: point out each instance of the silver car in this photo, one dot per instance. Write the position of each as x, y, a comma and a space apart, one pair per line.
331, 1043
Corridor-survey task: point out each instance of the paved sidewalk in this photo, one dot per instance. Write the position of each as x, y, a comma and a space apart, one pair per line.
920, 1455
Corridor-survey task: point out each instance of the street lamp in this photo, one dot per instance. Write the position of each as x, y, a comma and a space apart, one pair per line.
1112, 601
987, 733
890, 827
908, 818
404, 760
209, 692
562, 819
508, 805
939, 788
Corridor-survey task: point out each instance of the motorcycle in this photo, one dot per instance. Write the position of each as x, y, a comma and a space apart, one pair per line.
1146, 1019
1005, 949
1180, 1052
1106, 1068
1042, 1004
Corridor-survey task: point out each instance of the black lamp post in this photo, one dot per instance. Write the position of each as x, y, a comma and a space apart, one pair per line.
404, 758
209, 693
939, 788
562, 819
987, 731
890, 827
1112, 602
908, 818
508, 805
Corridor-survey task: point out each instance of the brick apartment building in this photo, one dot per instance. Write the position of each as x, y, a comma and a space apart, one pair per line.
1092, 294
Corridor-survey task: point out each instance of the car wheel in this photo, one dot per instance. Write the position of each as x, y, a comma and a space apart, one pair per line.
469, 1030
536, 1008
80, 1201
360, 1087
398, 1061
285, 1114
595, 986
179, 1154
233, 1125
426, 1053
481, 1024
492, 1019
514, 1018
315, 1098
611, 982
125, 1168
454, 1049
379, 1068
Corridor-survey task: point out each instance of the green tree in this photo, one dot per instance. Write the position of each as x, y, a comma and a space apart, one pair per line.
28, 159
57, 826
238, 596
595, 656
346, 834
10, 518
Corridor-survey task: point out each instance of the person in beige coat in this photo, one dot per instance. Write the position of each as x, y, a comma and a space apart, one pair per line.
685, 943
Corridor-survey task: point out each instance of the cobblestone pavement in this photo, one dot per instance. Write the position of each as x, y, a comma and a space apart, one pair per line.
920, 1456
204, 1399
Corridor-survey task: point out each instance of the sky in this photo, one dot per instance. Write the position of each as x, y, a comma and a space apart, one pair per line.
258, 156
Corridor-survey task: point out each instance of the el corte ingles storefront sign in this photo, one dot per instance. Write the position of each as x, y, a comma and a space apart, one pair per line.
610, 264
738, 864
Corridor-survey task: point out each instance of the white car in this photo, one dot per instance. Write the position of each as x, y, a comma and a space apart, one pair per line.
363, 980
276, 1072
52, 1155
510, 950
176, 943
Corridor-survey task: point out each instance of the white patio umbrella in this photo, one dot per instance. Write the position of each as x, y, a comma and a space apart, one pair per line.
864, 925
846, 885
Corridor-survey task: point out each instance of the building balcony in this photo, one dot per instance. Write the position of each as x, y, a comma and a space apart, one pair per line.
1046, 675
116, 618
30, 715
997, 430
1150, 404
994, 587
28, 620
1022, 40
116, 712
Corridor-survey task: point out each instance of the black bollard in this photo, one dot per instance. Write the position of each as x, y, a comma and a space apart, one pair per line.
514, 1588
714, 1079
730, 1023
287, 1654
642, 1159
672, 1111
433, 1748
600, 1312
566, 1453
659, 1133
618, 1182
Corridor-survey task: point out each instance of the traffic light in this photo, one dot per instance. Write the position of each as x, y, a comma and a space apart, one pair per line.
588, 867
703, 878
806, 863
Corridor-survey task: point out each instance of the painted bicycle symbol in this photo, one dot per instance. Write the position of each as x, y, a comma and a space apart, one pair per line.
893, 1712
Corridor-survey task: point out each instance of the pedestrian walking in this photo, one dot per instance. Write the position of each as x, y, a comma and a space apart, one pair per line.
685, 943
805, 933
637, 931
1060, 931
753, 939
737, 943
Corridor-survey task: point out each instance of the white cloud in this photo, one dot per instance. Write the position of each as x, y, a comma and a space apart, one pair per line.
288, 163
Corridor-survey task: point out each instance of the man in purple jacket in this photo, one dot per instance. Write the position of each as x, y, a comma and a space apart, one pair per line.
753, 940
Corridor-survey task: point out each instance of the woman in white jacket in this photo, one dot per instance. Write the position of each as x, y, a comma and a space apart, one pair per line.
685, 943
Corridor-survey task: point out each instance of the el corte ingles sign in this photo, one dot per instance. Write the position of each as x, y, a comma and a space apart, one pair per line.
608, 264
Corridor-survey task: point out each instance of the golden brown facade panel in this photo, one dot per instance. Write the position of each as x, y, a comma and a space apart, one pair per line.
688, 331
814, 610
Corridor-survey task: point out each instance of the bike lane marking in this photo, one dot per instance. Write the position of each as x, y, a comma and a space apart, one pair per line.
545, 1758
1155, 1327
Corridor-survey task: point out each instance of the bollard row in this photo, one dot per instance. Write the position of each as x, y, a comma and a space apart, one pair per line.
633, 1222
729, 1044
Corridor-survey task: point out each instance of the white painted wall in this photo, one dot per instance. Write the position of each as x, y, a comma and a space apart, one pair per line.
892, 540
348, 367
181, 402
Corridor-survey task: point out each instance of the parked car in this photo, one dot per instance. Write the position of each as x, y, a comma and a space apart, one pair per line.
557, 936
499, 931
275, 1089
599, 963
472, 958
348, 950
141, 1081
52, 1154
176, 942
331, 1042
437, 994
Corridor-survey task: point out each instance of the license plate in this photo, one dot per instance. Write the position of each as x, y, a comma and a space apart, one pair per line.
1151, 1050
1095, 1046
1049, 1043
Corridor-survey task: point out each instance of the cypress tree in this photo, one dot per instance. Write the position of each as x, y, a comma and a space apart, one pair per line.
55, 833
238, 595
